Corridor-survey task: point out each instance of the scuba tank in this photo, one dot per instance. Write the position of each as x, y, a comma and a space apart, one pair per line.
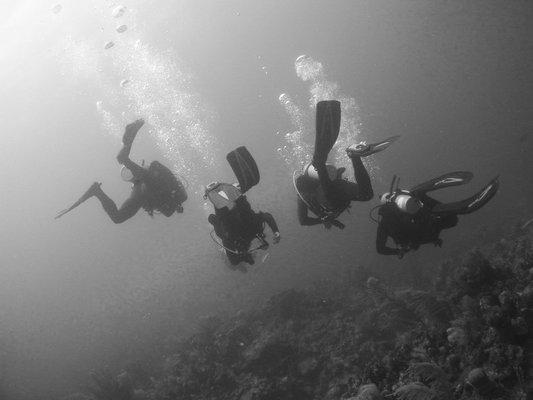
163, 186
403, 199
163, 183
126, 174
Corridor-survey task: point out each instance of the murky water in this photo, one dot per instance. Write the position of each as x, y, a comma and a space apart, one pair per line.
452, 78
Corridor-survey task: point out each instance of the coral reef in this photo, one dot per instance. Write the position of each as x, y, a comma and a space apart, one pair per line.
467, 337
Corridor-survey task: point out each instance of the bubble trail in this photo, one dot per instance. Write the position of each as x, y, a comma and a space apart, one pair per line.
299, 144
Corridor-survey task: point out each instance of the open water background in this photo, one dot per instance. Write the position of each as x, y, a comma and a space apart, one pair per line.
454, 78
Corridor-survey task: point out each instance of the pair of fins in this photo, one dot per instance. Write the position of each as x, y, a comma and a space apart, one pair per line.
328, 118
327, 126
457, 178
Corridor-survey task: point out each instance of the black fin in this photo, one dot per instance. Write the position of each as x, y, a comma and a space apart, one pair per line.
450, 179
471, 204
244, 167
86, 196
328, 122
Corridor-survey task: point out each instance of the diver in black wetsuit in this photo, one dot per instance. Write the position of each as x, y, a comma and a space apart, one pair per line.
321, 187
154, 188
412, 218
339, 192
238, 227
234, 221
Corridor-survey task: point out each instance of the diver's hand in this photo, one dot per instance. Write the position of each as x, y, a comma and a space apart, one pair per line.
277, 237
327, 221
401, 252
338, 224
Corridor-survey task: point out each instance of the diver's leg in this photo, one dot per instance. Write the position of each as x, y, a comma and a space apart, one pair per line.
323, 177
130, 132
364, 185
123, 156
448, 221
303, 215
128, 209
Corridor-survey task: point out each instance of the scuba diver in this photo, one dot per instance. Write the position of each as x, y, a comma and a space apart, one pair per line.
155, 189
234, 221
320, 187
412, 218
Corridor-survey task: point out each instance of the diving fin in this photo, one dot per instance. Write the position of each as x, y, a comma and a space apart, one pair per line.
87, 195
364, 150
451, 179
131, 131
244, 167
471, 204
327, 126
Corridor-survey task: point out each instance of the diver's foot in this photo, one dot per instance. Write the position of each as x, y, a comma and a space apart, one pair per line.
131, 131
337, 224
94, 189
363, 150
359, 150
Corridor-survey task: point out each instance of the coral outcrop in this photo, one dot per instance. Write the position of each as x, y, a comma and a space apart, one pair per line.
467, 337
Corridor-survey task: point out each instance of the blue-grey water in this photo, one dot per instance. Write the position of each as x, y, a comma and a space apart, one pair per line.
454, 78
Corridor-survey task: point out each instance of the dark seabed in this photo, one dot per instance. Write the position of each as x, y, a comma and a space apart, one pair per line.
81, 294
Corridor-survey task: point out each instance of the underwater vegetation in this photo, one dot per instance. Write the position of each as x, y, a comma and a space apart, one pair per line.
466, 337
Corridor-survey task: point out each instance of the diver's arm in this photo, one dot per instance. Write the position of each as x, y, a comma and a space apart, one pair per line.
303, 216
271, 222
123, 158
381, 242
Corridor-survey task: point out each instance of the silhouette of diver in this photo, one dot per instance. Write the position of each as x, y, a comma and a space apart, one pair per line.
154, 188
412, 218
234, 221
238, 227
321, 187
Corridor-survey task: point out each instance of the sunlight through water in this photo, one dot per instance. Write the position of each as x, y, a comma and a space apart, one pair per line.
132, 79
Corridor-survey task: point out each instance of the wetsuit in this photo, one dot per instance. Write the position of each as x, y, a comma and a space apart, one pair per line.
238, 227
138, 196
410, 231
142, 195
339, 192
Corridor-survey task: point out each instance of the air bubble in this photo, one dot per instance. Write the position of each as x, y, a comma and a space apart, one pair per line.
118, 11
